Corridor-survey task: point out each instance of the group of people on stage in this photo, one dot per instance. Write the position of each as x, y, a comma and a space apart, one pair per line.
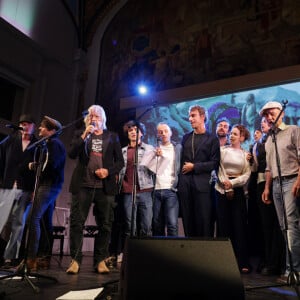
141, 189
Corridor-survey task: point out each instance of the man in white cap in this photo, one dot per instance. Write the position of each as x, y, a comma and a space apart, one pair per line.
286, 173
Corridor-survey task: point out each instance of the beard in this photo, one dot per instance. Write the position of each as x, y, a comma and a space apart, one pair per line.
221, 134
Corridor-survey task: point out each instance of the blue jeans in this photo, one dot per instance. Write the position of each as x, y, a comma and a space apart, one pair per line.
44, 200
46, 237
142, 215
18, 216
292, 214
165, 213
104, 215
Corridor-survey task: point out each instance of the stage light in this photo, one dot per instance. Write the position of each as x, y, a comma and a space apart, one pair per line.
143, 90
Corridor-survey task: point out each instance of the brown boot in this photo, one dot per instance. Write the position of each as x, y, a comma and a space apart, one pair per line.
102, 268
44, 262
32, 264
73, 267
111, 262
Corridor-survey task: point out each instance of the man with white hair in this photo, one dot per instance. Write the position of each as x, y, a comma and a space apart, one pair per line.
285, 176
94, 180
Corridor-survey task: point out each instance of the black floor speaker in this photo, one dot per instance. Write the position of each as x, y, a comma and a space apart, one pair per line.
179, 268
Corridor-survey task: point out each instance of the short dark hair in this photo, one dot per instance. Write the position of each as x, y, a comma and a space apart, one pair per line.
223, 119
200, 109
51, 123
133, 123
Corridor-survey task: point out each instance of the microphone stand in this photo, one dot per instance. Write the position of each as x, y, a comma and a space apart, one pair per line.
8, 136
23, 270
135, 170
5, 139
293, 276
58, 132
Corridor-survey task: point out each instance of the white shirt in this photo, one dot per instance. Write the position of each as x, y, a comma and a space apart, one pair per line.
165, 179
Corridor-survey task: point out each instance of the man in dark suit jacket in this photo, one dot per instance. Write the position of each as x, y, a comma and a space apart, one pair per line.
94, 180
200, 155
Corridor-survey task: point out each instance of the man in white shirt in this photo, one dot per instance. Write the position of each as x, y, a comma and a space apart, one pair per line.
166, 205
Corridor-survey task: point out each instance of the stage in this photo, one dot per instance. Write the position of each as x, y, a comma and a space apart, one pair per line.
17, 289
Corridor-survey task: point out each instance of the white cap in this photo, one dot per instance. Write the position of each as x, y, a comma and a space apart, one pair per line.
269, 105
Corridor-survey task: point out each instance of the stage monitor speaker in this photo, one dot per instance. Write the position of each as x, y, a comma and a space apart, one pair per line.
179, 268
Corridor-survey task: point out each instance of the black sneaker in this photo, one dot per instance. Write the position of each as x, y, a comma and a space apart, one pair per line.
7, 265
266, 271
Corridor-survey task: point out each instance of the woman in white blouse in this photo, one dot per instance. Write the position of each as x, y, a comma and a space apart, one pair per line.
233, 174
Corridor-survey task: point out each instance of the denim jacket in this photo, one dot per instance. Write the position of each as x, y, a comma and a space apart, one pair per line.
145, 176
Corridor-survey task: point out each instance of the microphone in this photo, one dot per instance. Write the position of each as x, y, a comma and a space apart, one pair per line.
85, 113
15, 127
90, 134
158, 140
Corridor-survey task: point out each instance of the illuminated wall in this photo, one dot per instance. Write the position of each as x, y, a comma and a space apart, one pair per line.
38, 43
20, 14
42, 22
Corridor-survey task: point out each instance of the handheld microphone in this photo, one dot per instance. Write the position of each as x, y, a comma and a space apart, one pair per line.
158, 140
15, 127
90, 134
251, 160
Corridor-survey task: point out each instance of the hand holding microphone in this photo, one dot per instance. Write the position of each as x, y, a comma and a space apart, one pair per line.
158, 149
89, 130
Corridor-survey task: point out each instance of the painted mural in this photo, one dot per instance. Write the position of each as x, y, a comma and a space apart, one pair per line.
175, 43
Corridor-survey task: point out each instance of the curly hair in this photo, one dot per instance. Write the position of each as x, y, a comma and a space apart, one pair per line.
243, 131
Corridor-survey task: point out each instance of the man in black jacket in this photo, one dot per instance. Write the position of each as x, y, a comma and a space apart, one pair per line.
17, 184
94, 180
51, 178
200, 156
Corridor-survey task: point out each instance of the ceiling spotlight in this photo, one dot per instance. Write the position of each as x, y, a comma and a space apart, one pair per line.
143, 90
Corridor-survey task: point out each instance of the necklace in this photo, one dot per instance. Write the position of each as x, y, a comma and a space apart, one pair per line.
193, 145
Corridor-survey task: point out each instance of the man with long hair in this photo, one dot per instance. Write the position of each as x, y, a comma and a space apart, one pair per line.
94, 181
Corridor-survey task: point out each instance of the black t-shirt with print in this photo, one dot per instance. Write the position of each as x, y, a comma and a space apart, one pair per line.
95, 162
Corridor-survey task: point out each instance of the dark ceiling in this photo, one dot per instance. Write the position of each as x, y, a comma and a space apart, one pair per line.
87, 17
